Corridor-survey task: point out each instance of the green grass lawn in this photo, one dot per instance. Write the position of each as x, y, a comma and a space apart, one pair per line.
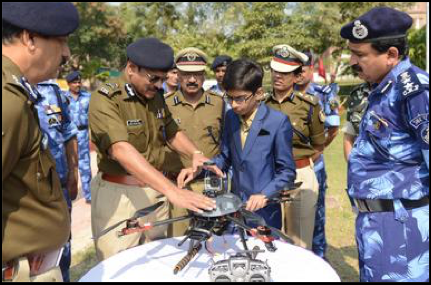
340, 220
342, 253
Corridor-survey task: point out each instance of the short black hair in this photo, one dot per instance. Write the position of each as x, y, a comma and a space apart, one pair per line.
243, 74
9, 32
383, 45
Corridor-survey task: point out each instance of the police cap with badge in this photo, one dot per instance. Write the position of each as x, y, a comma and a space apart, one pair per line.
151, 53
287, 59
221, 60
378, 23
191, 60
55, 19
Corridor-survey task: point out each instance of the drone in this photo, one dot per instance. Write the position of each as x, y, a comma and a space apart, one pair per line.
229, 209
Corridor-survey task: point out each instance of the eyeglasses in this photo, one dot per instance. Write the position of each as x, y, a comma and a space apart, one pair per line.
153, 79
239, 100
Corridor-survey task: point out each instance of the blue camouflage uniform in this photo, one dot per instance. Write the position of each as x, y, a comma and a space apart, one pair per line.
79, 114
55, 122
388, 171
390, 160
329, 103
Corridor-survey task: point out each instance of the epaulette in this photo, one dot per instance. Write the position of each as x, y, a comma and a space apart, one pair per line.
213, 97
169, 94
313, 100
409, 83
109, 89
213, 93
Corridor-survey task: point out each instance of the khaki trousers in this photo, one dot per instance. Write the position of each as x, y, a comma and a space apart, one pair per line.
111, 203
299, 214
22, 273
179, 228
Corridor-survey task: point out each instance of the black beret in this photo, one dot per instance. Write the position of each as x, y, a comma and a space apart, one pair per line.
151, 53
378, 23
75, 75
54, 19
221, 60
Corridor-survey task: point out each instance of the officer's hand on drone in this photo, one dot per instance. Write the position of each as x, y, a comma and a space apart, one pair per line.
186, 175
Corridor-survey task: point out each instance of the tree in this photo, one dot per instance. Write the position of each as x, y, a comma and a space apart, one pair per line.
99, 40
418, 49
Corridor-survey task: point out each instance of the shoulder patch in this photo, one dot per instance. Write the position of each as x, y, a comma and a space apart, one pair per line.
409, 83
313, 100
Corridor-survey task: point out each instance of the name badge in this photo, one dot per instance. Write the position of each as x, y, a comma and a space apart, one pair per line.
134, 123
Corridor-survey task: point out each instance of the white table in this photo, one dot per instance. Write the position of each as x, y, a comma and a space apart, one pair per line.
155, 261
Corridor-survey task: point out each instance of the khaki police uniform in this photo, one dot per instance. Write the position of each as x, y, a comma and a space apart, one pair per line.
35, 217
201, 123
117, 113
307, 120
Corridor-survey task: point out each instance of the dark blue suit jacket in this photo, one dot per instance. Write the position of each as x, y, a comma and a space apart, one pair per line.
266, 165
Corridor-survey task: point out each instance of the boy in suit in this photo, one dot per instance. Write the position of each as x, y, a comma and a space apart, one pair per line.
257, 142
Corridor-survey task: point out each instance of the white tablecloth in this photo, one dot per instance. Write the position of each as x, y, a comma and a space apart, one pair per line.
155, 261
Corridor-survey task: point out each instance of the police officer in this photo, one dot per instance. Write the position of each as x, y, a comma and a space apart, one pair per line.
35, 218
55, 121
329, 103
219, 66
130, 125
79, 103
199, 114
171, 83
388, 172
356, 105
309, 138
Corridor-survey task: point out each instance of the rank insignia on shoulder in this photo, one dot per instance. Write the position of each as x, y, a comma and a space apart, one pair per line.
134, 123
104, 91
410, 83
178, 121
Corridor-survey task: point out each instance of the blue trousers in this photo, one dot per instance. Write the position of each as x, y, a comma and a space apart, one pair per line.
84, 163
66, 257
391, 250
319, 238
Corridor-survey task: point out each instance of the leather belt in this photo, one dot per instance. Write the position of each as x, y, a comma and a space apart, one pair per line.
383, 205
81, 128
122, 179
38, 263
301, 163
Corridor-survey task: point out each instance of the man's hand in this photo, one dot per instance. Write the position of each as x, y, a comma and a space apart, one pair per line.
190, 200
256, 202
72, 183
186, 175
198, 161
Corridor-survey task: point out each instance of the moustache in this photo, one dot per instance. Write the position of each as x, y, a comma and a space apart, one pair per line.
192, 85
356, 68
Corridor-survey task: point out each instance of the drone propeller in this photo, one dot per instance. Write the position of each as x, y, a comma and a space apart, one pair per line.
255, 218
138, 214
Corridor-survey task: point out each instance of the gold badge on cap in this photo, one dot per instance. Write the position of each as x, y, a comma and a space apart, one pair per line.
359, 31
191, 56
